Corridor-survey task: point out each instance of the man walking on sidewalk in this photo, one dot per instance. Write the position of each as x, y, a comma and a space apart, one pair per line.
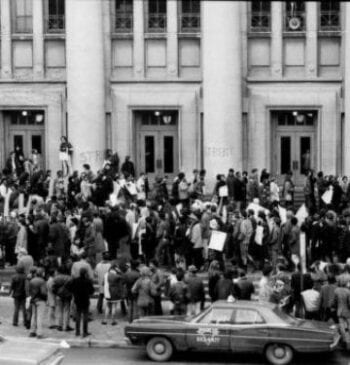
38, 294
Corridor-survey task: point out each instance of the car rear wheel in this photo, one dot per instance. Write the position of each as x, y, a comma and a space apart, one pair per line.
278, 354
159, 349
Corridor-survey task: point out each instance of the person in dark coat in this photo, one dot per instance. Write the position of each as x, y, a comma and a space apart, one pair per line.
82, 288
18, 291
58, 237
230, 182
225, 288
41, 227
128, 168
195, 292
246, 287
130, 278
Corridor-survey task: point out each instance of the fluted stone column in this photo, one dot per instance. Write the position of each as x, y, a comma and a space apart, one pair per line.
85, 81
222, 89
346, 137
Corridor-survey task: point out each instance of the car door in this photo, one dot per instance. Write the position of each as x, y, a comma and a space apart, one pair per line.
210, 331
249, 331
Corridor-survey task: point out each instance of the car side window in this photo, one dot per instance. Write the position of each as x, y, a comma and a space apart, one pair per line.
247, 316
217, 316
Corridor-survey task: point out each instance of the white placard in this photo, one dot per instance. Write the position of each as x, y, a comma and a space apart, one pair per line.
134, 230
327, 196
259, 234
223, 191
131, 188
217, 241
179, 208
113, 199
7, 203
283, 214
301, 215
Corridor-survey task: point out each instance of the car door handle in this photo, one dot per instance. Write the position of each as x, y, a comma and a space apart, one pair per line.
262, 331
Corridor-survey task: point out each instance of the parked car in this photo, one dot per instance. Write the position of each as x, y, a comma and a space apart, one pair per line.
241, 326
29, 352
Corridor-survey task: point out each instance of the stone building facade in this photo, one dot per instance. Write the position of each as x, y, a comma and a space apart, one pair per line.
178, 84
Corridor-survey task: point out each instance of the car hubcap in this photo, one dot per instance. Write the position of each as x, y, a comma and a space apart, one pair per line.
280, 352
159, 348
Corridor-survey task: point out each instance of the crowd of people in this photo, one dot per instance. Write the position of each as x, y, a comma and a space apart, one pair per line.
141, 240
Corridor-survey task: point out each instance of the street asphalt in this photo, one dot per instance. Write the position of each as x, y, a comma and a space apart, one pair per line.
138, 356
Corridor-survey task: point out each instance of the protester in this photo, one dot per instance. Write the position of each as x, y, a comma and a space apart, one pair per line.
82, 288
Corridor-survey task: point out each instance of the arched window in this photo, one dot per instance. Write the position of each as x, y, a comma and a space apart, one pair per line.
55, 21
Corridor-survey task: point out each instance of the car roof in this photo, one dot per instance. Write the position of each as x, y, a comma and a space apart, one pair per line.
249, 304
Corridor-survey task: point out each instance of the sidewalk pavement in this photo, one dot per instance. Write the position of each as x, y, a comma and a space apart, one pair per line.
102, 336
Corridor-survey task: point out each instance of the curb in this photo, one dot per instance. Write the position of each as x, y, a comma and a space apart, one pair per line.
78, 343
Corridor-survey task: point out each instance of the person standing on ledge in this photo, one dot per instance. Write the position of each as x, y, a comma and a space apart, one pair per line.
128, 168
66, 150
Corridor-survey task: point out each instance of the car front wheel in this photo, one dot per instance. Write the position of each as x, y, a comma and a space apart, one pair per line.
278, 354
159, 349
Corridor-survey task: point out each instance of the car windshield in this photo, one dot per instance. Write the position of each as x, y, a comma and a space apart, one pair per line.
284, 316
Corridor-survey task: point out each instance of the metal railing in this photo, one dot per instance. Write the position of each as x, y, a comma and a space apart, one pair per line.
329, 21
156, 23
190, 23
123, 23
55, 24
295, 22
260, 21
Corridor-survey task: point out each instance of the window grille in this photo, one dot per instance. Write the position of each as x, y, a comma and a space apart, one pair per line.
123, 18
23, 16
295, 17
190, 19
55, 18
260, 19
157, 17
329, 16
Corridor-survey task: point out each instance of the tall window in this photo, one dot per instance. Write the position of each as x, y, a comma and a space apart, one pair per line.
295, 16
55, 22
23, 16
190, 17
260, 20
156, 21
123, 22
329, 15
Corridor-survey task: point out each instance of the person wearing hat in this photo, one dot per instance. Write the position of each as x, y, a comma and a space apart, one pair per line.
195, 291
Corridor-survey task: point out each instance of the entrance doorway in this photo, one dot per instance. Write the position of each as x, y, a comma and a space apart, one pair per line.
157, 152
294, 143
25, 129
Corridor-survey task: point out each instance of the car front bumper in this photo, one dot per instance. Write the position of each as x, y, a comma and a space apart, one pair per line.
335, 343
